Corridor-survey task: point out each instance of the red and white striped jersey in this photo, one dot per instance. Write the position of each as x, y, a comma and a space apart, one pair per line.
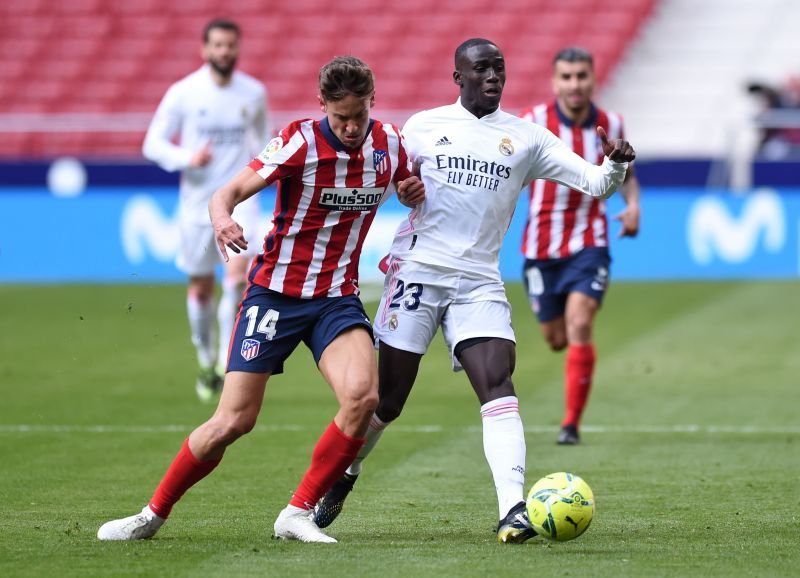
326, 201
562, 221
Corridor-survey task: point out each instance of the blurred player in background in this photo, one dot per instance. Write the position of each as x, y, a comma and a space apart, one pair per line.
332, 175
474, 160
565, 242
208, 126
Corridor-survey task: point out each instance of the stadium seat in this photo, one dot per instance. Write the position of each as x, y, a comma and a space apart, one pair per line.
108, 56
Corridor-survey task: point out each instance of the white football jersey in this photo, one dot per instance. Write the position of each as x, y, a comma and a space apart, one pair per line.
474, 170
232, 119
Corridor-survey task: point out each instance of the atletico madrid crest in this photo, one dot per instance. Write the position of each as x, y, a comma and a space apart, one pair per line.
381, 162
250, 349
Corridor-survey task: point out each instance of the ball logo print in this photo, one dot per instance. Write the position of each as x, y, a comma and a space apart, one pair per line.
560, 506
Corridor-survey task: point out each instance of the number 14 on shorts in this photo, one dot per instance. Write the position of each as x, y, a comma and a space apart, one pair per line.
265, 326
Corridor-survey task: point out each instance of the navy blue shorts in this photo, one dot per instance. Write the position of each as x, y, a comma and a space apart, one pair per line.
270, 326
548, 282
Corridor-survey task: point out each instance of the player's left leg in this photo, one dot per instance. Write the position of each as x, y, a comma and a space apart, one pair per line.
489, 364
585, 278
233, 285
201, 307
348, 365
579, 364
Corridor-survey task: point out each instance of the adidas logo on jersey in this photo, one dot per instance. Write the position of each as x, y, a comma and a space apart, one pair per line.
443, 141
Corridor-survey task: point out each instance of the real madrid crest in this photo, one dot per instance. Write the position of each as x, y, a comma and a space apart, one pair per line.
506, 147
393, 322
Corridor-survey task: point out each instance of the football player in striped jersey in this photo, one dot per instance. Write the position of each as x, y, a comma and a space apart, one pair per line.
565, 243
332, 176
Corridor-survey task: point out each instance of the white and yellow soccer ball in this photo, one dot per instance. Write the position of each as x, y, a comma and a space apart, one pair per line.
560, 506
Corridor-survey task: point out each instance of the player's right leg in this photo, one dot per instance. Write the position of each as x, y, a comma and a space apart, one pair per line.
201, 452
414, 299
397, 370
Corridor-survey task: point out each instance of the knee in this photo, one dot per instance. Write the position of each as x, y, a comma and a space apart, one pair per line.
389, 410
361, 398
225, 430
556, 342
579, 329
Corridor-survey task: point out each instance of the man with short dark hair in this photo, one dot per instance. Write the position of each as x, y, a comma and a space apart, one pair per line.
565, 243
208, 125
474, 160
332, 175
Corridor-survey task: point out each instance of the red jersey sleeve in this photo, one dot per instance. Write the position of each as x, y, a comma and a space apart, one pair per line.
403, 163
283, 156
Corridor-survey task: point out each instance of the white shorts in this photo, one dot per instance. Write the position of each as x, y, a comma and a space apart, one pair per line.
198, 253
418, 298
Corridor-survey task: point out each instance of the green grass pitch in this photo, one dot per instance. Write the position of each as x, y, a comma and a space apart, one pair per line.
691, 444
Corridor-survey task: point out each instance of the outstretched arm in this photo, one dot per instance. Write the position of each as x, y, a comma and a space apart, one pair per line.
555, 161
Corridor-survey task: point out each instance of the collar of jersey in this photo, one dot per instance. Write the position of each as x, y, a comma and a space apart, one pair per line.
488, 117
334, 141
590, 122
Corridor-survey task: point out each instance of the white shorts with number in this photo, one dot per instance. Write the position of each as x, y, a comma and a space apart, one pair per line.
418, 298
198, 254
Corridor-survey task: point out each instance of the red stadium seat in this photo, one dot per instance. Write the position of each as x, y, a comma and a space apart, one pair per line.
108, 56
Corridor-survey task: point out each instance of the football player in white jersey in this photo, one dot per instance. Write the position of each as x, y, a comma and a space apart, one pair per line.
209, 125
474, 160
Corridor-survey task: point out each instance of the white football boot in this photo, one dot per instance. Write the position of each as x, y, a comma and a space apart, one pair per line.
294, 523
137, 527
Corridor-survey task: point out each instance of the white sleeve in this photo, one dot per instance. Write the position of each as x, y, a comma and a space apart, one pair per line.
411, 139
166, 124
555, 161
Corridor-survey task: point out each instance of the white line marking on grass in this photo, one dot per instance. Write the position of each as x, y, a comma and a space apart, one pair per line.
420, 429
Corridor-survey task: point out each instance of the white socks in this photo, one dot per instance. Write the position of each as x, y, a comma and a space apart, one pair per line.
374, 431
504, 446
201, 324
226, 315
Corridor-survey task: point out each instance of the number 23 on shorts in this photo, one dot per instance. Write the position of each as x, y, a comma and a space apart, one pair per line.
412, 292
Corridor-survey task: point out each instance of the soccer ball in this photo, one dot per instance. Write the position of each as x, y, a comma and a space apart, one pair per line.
560, 506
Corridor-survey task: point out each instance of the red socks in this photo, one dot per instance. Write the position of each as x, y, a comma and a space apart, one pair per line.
185, 471
334, 452
578, 381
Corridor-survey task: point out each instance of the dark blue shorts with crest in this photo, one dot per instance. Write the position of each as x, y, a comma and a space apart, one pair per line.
548, 282
271, 325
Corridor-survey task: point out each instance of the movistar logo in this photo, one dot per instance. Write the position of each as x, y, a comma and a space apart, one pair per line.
714, 231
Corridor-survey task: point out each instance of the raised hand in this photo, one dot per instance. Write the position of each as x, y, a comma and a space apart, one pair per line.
619, 150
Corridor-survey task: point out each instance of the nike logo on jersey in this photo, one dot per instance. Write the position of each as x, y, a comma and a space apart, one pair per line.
442, 141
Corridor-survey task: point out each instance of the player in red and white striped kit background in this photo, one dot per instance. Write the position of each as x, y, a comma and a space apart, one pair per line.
565, 242
332, 176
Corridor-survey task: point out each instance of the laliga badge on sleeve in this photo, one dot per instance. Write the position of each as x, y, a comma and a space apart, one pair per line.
272, 147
